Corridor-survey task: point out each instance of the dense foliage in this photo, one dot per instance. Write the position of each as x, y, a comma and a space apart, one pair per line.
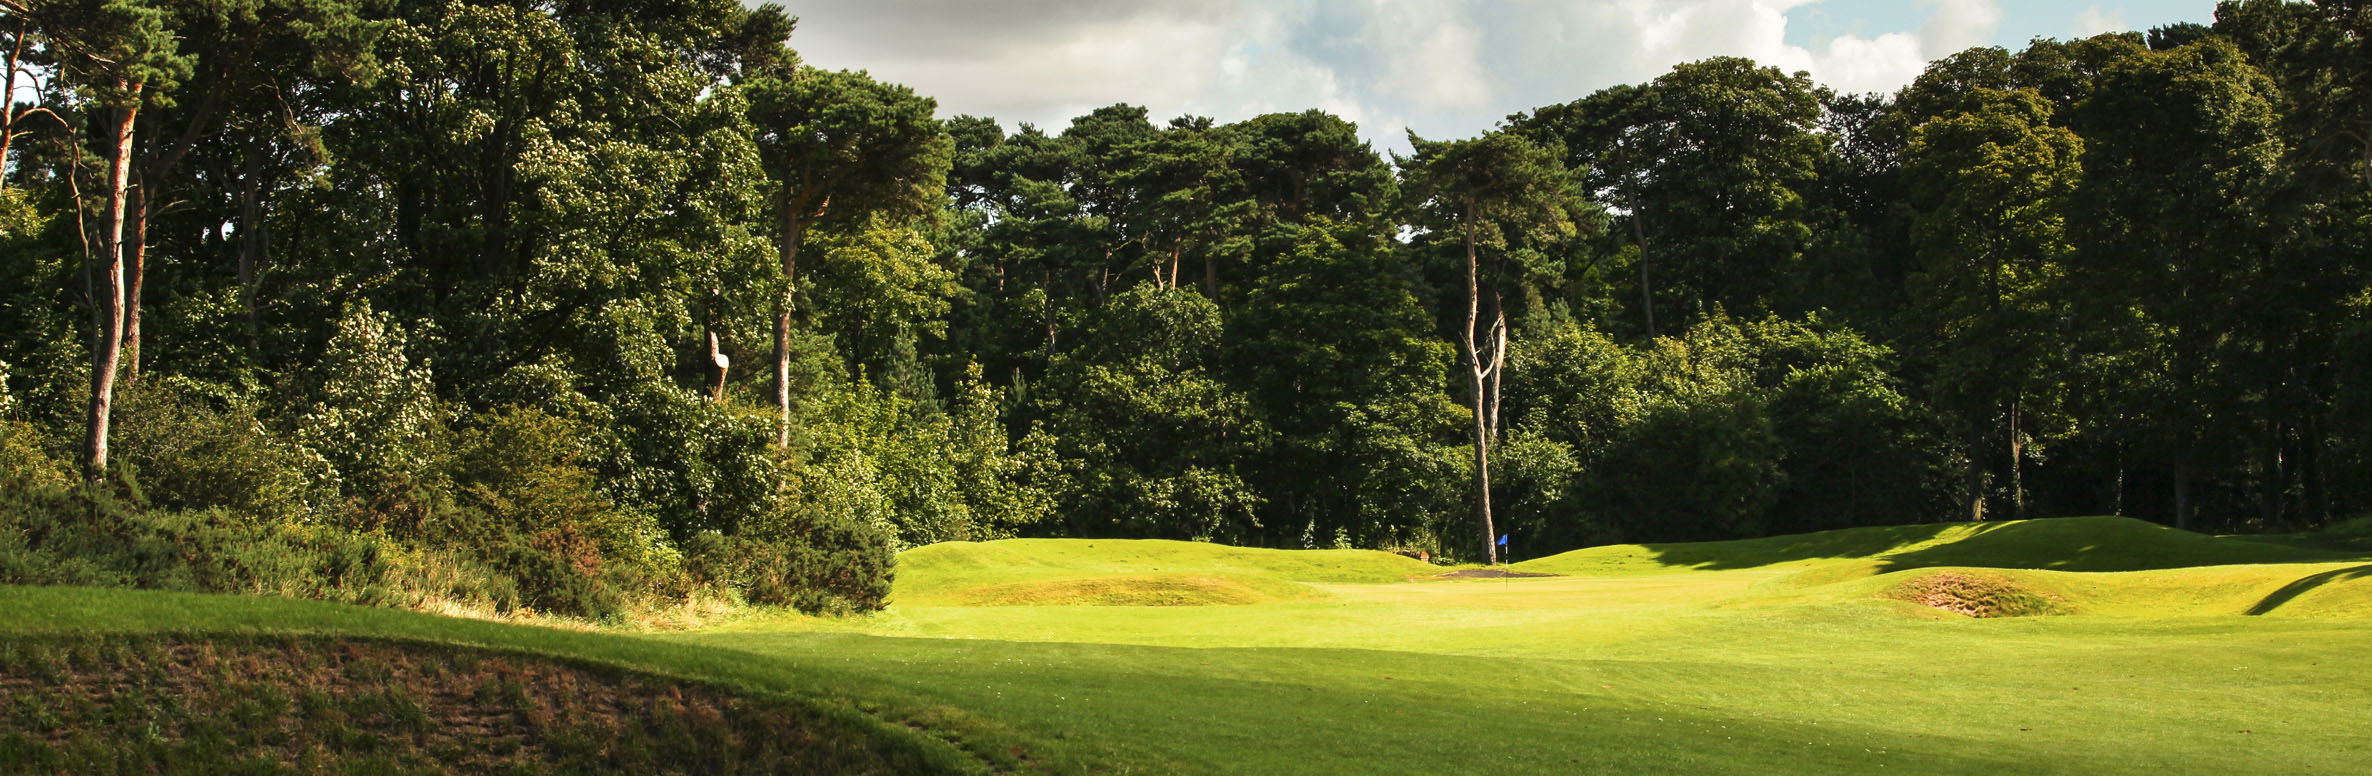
466, 284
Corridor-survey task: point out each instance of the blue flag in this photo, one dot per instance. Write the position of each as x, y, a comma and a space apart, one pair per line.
1503, 540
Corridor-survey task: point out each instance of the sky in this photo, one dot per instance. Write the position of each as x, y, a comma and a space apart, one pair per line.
1443, 68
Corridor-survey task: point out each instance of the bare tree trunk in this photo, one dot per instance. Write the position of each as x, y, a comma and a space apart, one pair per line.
151, 182
1210, 274
721, 363
1046, 310
107, 311
252, 242
8, 116
2017, 460
2117, 487
1974, 507
782, 372
1103, 277
793, 231
1177, 254
135, 273
1639, 237
1482, 425
1498, 360
1482, 476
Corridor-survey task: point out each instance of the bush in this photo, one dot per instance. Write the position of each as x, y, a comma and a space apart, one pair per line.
818, 557
531, 507
53, 536
23, 464
195, 448
374, 420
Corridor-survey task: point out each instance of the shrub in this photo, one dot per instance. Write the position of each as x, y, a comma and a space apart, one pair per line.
817, 554
195, 448
374, 420
531, 507
53, 536
23, 463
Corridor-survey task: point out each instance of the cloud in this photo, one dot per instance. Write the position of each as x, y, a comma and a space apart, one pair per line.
2093, 21
1957, 25
1443, 67
1040, 61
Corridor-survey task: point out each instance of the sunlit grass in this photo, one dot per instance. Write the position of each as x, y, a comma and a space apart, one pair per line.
2165, 651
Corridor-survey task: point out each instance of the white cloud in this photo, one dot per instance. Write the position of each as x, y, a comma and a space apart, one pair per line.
1438, 60
1958, 24
1038, 61
1444, 67
2093, 21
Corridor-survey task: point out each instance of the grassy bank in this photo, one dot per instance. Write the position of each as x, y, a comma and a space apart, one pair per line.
2139, 649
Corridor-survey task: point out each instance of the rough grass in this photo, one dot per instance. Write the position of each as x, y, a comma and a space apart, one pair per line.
2185, 654
1977, 594
697, 710
316, 705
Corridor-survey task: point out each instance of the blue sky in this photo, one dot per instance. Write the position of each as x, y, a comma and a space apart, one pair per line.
1443, 68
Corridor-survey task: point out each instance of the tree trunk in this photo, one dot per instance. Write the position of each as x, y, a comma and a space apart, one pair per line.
1103, 278
8, 115
151, 182
1210, 274
793, 231
718, 361
1498, 343
252, 243
2117, 487
1482, 430
2017, 460
782, 372
107, 311
135, 273
1974, 507
1482, 478
1177, 255
1639, 238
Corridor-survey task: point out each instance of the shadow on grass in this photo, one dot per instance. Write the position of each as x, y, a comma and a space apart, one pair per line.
1839, 544
2297, 588
2061, 544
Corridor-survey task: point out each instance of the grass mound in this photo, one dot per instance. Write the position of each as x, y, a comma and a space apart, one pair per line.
2061, 544
1131, 572
1162, 589
879, 727
1976, 594
327, 705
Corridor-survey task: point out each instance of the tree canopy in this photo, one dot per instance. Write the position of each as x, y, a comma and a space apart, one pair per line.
471, 277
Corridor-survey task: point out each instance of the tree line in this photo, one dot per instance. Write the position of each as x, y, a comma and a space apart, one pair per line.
608, 303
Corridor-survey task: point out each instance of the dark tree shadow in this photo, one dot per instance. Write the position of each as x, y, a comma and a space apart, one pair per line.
2061, 544
2309, 582
1841, 543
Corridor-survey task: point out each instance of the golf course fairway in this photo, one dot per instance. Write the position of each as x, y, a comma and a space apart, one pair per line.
2078, 645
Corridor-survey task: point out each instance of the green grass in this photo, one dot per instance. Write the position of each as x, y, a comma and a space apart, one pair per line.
2065, 544
2145, 649
969, 572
